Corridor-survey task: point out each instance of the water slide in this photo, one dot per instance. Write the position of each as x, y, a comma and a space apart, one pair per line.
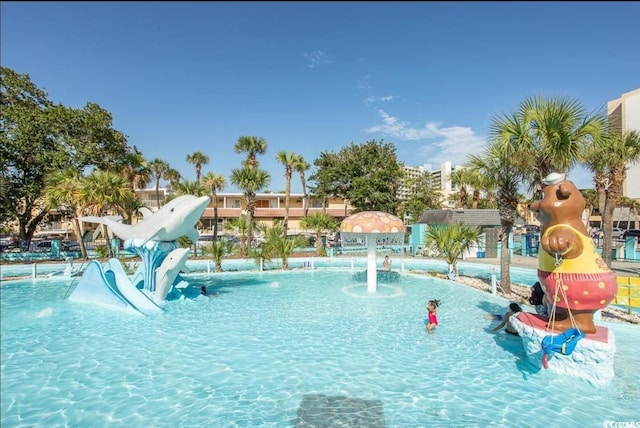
110, 286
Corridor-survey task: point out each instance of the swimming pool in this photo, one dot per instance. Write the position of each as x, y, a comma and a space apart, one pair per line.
284, 349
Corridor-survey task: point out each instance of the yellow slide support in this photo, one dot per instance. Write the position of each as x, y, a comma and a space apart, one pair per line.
628, 291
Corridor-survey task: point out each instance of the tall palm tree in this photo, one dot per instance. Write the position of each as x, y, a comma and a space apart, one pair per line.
590, 202
288, 159
214, 182
251, 181
634, 207
173, 177
136, 170
197, 159
459, 178
63, 189
451, 241
609, 161
319, 223
158, 168
548, 135
495, 164
252, 146
301, 166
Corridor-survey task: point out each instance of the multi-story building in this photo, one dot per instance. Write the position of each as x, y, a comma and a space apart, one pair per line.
624, 114
269, 208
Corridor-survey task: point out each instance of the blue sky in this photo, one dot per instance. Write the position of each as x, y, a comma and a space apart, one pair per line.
180, 77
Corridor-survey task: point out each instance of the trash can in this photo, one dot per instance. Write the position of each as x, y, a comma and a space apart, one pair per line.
55, 248
532, 240
480, 254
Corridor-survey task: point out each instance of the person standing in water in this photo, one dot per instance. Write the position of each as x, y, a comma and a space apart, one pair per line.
431, 315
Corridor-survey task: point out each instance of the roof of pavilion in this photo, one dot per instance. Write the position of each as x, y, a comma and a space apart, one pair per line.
466, 217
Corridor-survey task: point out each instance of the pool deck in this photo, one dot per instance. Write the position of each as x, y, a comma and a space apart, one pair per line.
620, 267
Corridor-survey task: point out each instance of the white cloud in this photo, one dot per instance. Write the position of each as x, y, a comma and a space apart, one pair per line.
316, 58
448, 144
371, 100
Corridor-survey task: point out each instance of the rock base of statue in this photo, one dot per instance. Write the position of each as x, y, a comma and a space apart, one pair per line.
590, 360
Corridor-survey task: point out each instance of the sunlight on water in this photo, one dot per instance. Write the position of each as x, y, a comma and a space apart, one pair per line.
278, 349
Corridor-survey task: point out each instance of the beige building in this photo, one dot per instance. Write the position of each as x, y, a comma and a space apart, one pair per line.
624, 113
269, 207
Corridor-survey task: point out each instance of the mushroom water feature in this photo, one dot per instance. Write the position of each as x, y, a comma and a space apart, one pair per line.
376, 228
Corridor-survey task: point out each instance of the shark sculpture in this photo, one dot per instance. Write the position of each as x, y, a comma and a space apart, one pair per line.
177, 218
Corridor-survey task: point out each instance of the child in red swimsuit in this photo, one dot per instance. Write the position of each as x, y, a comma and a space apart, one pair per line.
432, 317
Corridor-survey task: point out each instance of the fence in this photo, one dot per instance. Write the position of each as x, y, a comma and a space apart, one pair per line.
628, 292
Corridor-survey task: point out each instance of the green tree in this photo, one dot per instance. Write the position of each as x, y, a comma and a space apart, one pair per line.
251, 181
289, 160
197, 159
548, 135
63, 190
459, 178
367, 175
452, 241
105, 192
214, 182
188, 187
609, 163
320, 223
158, 169
423, 196
252, 146
173, 176
218, 250
39, 138
135, 169
590, 202
276, 244
495, 165
301, 167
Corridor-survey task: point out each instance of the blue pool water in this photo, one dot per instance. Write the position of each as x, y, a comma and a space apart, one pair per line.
273, 348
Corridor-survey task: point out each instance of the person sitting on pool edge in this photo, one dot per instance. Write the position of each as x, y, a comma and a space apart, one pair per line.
386, 264
514, 308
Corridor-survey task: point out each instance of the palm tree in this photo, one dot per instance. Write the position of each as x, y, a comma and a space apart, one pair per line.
173, 177
634, 207
276, 244
251, 181
252, 146
452, 241
459, 178
198, 159
495, 164
218, 250
319, 223
136, 170
547, 135
158, 168
609, 161
301, 166
288, 159
63, 190
214, 182
105, 191
187, 187
590, 201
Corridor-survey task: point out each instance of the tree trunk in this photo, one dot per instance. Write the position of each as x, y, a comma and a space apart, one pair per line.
505, 262
215, 216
